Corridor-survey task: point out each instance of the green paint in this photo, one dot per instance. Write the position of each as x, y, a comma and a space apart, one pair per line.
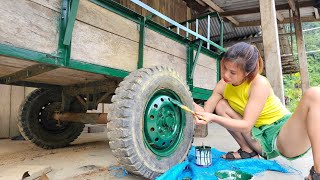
63, 50
221, 33
163, 123
196, 59
166, 32
200, 93
75, 64
219, 68
233, 175
20, 53
141, 42
118, 9
189, 66
70, 22
68, 16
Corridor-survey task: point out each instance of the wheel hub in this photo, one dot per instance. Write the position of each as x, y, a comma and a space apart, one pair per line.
163, 123
46, 117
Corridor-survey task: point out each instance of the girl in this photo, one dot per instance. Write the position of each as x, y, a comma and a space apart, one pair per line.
244, 103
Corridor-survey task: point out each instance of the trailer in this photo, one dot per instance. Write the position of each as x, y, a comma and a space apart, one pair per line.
81, 53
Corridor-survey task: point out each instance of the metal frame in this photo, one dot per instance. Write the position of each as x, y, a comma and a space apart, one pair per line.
68, 17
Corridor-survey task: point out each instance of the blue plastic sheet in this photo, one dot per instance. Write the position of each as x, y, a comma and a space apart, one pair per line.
188, 168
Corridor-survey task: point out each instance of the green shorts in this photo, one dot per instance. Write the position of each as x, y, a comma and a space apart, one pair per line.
267, 137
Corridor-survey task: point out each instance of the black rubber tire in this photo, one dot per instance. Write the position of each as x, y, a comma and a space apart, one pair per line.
125, 129
42, 131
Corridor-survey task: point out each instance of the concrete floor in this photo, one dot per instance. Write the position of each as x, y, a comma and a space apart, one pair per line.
90, 156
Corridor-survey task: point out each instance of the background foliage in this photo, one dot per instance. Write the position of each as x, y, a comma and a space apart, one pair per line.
292, 82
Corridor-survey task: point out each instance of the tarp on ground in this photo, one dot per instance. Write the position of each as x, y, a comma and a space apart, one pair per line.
189, 170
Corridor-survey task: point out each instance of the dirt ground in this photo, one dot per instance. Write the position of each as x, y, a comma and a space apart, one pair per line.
90, 158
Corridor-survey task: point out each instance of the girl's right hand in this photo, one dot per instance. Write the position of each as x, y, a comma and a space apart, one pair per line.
203, 117
198, 120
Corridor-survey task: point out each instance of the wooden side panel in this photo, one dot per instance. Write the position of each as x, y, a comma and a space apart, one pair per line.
4, 110
176, 10
100, 47
34, 27
51, 4
106, 20
11, 98
16, 98
154, 57
205, 75
162, 43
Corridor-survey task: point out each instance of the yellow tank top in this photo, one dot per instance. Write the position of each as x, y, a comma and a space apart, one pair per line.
237, 97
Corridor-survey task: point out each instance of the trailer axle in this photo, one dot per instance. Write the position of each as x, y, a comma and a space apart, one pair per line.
87, 118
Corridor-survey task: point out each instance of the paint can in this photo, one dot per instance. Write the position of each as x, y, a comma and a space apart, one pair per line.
203, 156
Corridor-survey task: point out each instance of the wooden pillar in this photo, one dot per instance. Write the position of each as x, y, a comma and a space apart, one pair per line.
304, 74
271, 46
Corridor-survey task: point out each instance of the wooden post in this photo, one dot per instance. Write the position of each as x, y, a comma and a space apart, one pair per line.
271, 46
304, 74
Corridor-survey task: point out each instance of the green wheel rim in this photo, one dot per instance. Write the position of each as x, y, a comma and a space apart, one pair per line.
164, 123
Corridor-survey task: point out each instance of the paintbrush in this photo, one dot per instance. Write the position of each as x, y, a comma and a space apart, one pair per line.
188, 109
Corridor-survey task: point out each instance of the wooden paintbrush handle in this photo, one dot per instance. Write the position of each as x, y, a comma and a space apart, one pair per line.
201, 117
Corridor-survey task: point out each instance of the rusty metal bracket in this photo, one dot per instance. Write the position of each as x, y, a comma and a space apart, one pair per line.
26, 73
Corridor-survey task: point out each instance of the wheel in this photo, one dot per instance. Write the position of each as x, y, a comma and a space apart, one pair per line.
36, 124
147, 133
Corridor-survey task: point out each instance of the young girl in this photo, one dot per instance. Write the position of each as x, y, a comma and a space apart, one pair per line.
245, 104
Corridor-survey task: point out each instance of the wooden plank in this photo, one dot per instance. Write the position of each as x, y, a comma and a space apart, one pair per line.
162, 9
5, 91
99, 17
144, 12
271, 47
218, 9
63, 76
14, 62
162, 43
204, 77
9, 65
34, 27
17, 96
96, 46
51, 4
35, 171
155, 57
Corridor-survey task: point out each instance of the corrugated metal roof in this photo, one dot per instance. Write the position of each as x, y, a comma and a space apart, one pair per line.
229, 30
232, 31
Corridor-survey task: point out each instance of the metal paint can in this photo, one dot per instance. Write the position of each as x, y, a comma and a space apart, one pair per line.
203, 156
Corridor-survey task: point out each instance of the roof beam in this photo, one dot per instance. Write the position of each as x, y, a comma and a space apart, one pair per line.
257, 9
285, 21
201, 3
218, 9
